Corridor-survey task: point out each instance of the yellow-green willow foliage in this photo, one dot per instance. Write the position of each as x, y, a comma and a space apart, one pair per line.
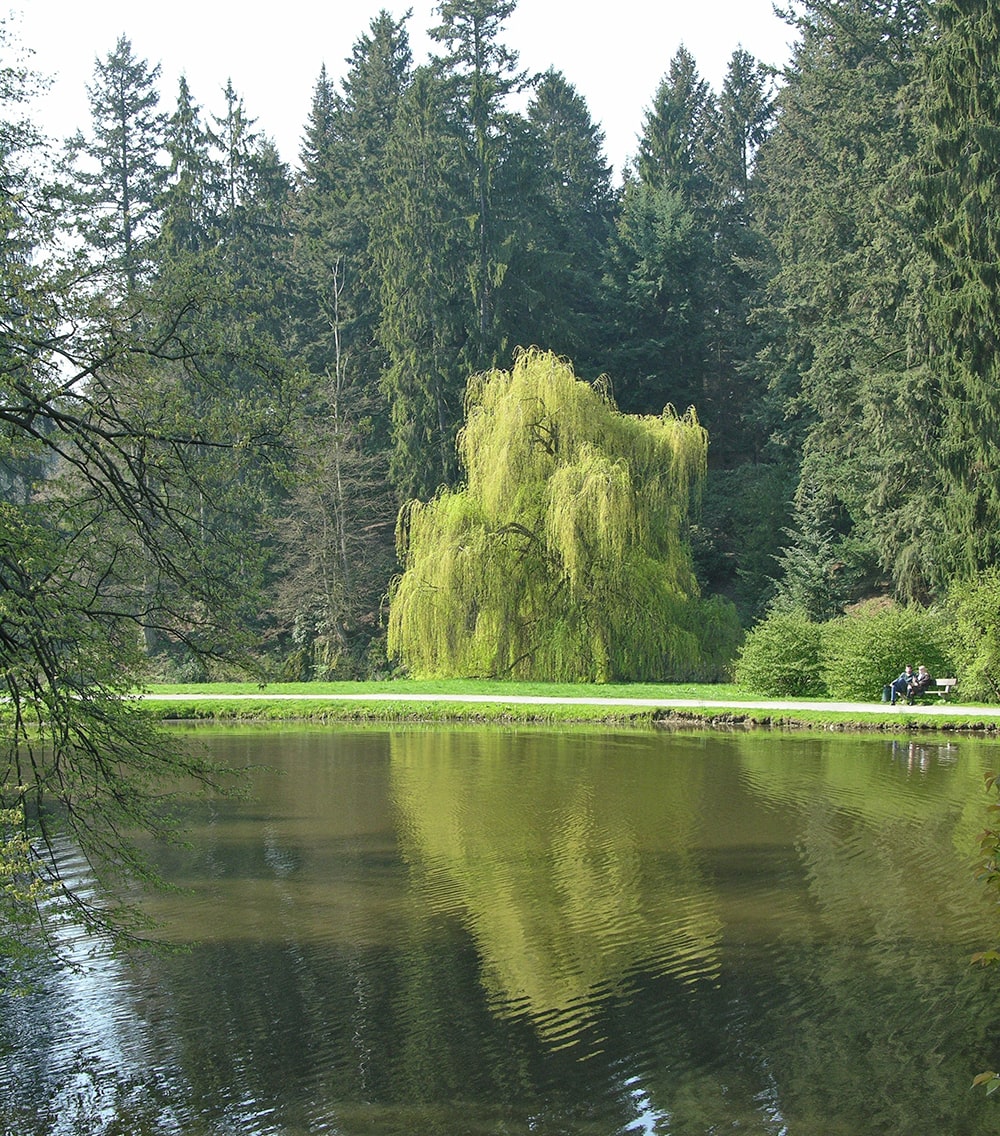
554, 915
564, 556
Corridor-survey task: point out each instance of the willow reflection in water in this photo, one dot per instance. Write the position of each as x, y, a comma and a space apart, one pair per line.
570, 866
470, 931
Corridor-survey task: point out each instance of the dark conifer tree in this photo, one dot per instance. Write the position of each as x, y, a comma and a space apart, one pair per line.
655, 285
832, 189
378, 74
318, 137
660, 261
341, 175
744, 114
677, 136
573, 221
423, 248
958, 192
189, 215
116, 171
480, 72
319, 209
252, 190
734, 405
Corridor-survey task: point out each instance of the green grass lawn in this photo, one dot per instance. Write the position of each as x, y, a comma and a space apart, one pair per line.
208, 702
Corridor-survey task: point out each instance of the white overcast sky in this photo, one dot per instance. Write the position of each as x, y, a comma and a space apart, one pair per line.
614, 52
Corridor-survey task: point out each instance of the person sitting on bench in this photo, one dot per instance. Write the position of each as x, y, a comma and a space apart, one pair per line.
918, 684
899, 686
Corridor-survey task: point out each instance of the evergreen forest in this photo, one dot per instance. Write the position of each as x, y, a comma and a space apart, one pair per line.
223, 379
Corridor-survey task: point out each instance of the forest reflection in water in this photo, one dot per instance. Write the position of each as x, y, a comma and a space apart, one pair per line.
486, 930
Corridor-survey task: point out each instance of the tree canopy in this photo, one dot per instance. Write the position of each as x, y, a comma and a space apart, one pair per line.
564, 555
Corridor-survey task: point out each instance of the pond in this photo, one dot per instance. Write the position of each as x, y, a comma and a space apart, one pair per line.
465, 931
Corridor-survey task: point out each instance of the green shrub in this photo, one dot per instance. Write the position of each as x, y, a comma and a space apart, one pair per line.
866, 649
976, 609
782, 656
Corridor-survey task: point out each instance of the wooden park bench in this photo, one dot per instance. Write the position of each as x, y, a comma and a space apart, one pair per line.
942, 688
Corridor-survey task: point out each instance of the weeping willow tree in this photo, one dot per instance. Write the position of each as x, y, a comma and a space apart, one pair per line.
564, 557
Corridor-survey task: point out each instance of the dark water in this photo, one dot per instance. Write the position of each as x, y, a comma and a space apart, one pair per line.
464, 931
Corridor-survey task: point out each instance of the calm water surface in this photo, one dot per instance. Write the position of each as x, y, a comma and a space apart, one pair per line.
462, 931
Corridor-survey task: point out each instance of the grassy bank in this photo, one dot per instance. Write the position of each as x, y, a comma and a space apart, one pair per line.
401, 701
416, 701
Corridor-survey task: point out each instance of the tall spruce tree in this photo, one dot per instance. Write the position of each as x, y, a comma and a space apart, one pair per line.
251, 188
655, 287
831, 198
423, 248
341, 175
379, 70
318, 205
745, 110
660, 256
116, 171
189, 213
676, 140
573, 223
958, 194
480, 72
733, 403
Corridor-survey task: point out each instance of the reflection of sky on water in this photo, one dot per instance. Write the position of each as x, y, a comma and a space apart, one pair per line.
78, 1045
649, 1120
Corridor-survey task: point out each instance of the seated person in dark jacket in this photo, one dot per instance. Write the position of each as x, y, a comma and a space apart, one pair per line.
899, 687
918, 684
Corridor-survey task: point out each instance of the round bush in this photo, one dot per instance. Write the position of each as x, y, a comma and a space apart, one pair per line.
865, 650
976, 606
782, 656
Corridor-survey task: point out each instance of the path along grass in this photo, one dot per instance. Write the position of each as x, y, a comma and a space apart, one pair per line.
477, 700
